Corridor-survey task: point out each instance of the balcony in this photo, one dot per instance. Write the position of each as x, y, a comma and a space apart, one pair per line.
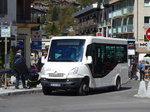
122, 29
124, 11
130, 28
105, 23
86, 24
92, 22
128, 10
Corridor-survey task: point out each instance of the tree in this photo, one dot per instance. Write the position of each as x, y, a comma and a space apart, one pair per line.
55, 29
66, 20
11, 54
55, 13
59, 17
1, 63
85, 3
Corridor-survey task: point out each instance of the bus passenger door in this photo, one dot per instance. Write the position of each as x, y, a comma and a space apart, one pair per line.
97, 57
98, 64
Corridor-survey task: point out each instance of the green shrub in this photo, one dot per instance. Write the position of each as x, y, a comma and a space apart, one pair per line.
1, 63
11, 54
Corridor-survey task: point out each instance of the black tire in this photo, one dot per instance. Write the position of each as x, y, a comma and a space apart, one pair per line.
118, 84
83, 89
46, 90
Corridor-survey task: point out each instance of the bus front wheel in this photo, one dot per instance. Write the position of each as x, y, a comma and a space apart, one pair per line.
118, 84
83, 89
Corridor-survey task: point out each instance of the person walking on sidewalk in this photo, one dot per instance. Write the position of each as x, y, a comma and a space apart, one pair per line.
133, 70
20, 69
141, 67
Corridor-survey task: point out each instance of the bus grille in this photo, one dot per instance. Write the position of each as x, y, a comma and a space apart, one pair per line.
56, 80
56, 75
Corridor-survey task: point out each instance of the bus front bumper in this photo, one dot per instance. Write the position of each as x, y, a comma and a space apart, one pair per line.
63, 84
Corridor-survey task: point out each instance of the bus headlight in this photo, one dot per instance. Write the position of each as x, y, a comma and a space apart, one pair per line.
73, 71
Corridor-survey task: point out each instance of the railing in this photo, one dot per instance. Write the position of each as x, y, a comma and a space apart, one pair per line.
104, 23
128, 10
122, 29
85, 24
121, 12
130, 28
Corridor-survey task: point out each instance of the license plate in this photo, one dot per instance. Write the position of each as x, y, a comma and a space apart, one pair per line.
55, 85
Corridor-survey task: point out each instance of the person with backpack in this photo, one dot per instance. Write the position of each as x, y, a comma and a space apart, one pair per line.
20, 69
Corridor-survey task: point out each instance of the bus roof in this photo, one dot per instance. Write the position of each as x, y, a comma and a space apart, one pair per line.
95, 39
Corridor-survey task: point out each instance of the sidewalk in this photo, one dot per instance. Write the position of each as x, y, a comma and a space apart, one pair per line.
12, 91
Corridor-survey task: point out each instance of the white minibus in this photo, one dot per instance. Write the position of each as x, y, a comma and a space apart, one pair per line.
81, 63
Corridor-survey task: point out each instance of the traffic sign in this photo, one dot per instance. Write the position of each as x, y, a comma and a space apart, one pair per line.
5, 31
36, 35
148, 34
36, 45
20, 44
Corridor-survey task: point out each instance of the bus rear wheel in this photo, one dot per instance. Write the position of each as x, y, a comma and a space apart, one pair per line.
118, 84
83, 89
46, 90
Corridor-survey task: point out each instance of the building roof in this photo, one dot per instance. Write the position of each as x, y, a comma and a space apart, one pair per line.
86, 9
38, 11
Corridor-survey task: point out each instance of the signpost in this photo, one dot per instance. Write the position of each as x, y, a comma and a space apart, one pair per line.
148, 37
36, 40
36, 45
5, 32
148, 34
131, 47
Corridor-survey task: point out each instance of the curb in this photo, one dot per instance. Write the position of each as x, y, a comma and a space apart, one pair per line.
22, 92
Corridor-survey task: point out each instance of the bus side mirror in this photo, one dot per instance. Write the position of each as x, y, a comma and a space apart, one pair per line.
89, 59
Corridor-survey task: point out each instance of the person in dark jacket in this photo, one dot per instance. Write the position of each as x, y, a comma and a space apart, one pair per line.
134, 71
20, 69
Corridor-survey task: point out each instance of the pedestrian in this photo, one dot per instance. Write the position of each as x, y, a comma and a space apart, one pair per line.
20, 69
133, 69
141, 67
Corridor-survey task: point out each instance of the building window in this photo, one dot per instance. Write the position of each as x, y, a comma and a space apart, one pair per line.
3, 7
147, 19
147, 3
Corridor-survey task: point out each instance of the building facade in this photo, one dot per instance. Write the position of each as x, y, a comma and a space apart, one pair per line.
7, 18
129, 19
17, 14
86, 19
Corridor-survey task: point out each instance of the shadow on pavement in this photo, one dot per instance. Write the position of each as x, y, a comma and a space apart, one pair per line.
92, 92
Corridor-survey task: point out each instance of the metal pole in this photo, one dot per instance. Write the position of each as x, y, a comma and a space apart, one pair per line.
15, 33
15, 41
5, 62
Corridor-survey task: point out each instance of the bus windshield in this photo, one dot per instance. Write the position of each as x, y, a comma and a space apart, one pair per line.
66, 50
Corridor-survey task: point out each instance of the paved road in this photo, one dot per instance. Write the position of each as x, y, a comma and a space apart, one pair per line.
98, 101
